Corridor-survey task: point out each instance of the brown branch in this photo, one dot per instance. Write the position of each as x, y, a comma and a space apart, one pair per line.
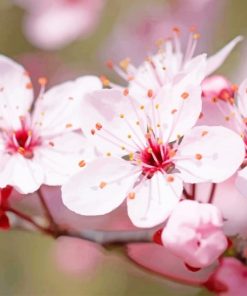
47, 211
212, 193
103, 237
31, 221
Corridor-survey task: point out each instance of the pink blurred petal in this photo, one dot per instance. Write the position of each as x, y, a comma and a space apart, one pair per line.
76, 256
159, 260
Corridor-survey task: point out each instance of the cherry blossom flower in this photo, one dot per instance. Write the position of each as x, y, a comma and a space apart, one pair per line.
229, 279
170, 62
148, 151
225, 104
194, 233
38, 144
52, 24
146, 24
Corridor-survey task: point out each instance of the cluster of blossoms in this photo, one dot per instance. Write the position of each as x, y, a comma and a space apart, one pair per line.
154, 142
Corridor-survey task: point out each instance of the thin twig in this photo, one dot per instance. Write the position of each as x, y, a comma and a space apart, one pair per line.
47, 211
111, 237
212, 193
186, 194
30, 220
193, 191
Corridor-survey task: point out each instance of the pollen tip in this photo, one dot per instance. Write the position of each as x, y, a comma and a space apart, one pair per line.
21, 150
234, 87
92, 131
105, 81
82, 163
29, 85
169, 178
204, 133
150, 93
124, 64
184, 95
68, 125
198, 156
109, 64
176, 30
42, 81
196, 36
125, 92
121, 115
102, 185
98, 126
131, 195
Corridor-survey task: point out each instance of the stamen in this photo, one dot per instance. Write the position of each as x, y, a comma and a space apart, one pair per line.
82, 163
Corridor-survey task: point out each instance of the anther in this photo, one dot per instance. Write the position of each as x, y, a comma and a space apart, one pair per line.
169, 178
105, 81
98, 126
42, 81
150, 93
204, 133
125, 92
131, 195
184, 95
29, 85
82, 163
124, 64
198, 156
102, 185
109, 64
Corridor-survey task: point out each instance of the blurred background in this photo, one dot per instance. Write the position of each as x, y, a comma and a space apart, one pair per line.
62, 39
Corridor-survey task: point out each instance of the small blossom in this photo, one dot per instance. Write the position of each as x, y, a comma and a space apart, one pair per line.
52, 24
170, 62
147, 153
194, 233
38, 142
229, 279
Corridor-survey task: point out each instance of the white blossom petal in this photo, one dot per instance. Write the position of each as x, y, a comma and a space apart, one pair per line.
215, 61
242, 98
241, 181
58, 110
63, 156
154, 199
179, 108
100, 187
25, 175
16, 93
209, 153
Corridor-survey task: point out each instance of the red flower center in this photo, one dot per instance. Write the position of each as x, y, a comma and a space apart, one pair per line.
22, 141
156, 157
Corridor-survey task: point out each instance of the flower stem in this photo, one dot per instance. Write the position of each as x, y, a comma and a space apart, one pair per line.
47, 211
30, 220
212, 193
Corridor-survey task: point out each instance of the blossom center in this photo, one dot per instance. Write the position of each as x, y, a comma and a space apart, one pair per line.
22, 141
156, 157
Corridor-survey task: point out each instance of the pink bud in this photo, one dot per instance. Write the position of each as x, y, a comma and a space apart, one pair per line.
229, 279
218, 87
194, 234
